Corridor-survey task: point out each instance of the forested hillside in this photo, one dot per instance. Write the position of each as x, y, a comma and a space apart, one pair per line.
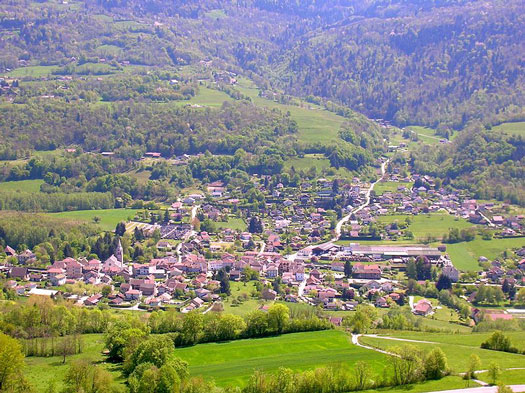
438, 63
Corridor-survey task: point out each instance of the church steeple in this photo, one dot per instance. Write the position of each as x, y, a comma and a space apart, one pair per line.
119, 252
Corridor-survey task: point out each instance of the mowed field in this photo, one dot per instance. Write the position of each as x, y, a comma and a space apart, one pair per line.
42, 372
232, 363
22, 186
517, 128
425, 225
457, 348
465, 255
109, 218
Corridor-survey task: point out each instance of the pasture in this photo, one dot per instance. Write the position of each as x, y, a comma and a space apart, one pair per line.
22, 186
232, 363
457, 350
109, 218
390, 186
465, 255
516, 128
42, 372
428, 225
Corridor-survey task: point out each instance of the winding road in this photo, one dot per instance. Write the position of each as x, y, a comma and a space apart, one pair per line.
345, 219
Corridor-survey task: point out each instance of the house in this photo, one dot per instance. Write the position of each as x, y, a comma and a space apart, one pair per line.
269, 294
25, 257
369, 272
422, 307
57, 280
451, 272
20, 273
133, 294
10, 252
381, 302
93, 300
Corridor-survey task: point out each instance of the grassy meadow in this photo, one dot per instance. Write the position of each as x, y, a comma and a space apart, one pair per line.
22, 186
517, 128
109, 218
390, 186
232, 363
425, 225
457, 349
42, 372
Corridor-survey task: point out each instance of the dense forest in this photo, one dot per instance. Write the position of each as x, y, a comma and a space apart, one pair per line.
438, 63
489, 164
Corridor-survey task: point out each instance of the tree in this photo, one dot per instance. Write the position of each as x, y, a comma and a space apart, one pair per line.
406, 365
498, 342
443, 282
192, 327
66, 346
224, 280
256, 323
120, 229
155, 350
474, 365
255, 225
504, 389
348, 269
411, 269
120, 338
436, 365
11, 364
494, 372
83, 376
278, 316
362, 375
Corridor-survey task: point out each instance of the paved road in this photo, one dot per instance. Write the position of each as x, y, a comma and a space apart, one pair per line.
345, 219
484, 389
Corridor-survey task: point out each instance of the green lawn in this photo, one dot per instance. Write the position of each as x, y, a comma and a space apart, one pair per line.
471, 339
458, 352
517, 128
22, 185
465, 255
41, 371
424, 225
425, 134
208, 97
447, 383
109, 218
34, 71
232, 363
319, 161
316, 124
508, 377
233, 223
390, 186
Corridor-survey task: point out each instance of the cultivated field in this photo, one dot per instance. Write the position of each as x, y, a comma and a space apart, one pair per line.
109, 218
232, 363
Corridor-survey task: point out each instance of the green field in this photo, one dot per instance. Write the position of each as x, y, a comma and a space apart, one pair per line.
425, 134
233, 223
22, 185
318, 161
316, 124
457, 348
41, 371
390, 186
34, 71
447, 383
517, 128
425, 225
232, 363
208, 97
465, 255
109, 218
508, 377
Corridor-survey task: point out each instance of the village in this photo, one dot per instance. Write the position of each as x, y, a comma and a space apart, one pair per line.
320, 243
